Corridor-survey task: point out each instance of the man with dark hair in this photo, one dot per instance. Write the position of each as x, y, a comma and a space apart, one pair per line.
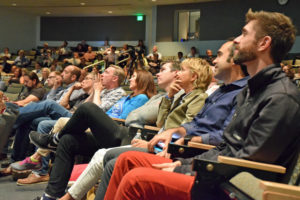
264, 127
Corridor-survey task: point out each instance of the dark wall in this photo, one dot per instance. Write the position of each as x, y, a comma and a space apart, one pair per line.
223, 19
125, 28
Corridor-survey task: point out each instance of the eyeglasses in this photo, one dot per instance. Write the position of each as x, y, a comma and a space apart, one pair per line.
51, 77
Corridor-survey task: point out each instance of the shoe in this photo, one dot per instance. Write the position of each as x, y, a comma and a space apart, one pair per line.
44, 197
33, 179
6, 172
26, 164
43, 141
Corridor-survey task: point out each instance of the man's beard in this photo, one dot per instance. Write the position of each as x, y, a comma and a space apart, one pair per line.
244, 55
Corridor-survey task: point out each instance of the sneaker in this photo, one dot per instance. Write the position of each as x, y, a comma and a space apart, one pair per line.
26, 164
43, 141
33, 179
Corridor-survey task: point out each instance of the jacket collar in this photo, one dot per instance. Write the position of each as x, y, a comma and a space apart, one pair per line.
266, 76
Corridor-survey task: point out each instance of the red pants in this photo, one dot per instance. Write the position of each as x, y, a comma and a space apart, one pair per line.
135, 178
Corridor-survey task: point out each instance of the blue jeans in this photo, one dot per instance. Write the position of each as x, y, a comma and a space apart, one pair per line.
44, 127
47, 108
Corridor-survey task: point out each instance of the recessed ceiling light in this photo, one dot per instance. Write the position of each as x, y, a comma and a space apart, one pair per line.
14, 4
153, 0
110, 12
48, 13
83, 4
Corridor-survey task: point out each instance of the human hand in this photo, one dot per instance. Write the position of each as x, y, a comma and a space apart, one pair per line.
139, 143
77, 86
169, 167
165, 137
174, 88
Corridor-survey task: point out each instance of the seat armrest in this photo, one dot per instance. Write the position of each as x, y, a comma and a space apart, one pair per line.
118, 120
251, 164
200, 145
152, 128
280, 188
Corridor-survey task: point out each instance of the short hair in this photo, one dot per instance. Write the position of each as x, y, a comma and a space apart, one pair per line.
279, 27
203, 70
175, 65
76, 71
113, 48
119, 72
180, 53
57, 73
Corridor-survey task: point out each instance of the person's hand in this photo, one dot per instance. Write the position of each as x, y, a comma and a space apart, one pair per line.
98, 83
77, 86
165, 137
19, 103
164, 153
169, 167
139, 143
174, 88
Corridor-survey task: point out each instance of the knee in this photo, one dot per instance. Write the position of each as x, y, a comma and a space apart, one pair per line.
97, 159
45, 126
67, 143
88, 107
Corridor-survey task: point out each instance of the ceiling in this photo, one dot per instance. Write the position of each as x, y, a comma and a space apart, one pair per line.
87, 7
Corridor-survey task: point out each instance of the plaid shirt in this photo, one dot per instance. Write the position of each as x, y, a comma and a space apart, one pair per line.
110, 97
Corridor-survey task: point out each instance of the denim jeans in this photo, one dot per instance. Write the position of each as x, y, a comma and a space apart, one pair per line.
44, 127
40, 109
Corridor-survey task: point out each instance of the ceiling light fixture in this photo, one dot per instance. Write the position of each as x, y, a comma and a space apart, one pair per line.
48, 13
110, 12
14, 4
83, 4
153, 0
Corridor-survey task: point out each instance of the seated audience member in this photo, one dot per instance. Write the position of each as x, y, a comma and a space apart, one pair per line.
64, 50
112, 57
266, 108
16, 77
79, 49
89, 55
207, 126
35, 91
48, 59
43, 51
105, 133
54, 82
140, 48
37, 69
154, 50
44, 75
21, 60
5, 53
154, 64
23, 71
193, 53
100, 66
73, 61
209, 56
180, 57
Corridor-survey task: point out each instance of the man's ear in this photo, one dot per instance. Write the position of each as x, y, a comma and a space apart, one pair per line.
264, 43
115, 78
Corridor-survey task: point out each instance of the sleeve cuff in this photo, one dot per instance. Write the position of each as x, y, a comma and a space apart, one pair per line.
205, 138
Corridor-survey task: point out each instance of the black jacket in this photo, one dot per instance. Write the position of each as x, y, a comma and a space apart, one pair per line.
265, 126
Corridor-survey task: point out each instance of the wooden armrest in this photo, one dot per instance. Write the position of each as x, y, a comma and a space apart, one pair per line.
152, 128
251, 164
280, 188
118, 120
200, 145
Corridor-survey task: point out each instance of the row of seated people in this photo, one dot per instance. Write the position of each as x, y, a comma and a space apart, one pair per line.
246, 121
